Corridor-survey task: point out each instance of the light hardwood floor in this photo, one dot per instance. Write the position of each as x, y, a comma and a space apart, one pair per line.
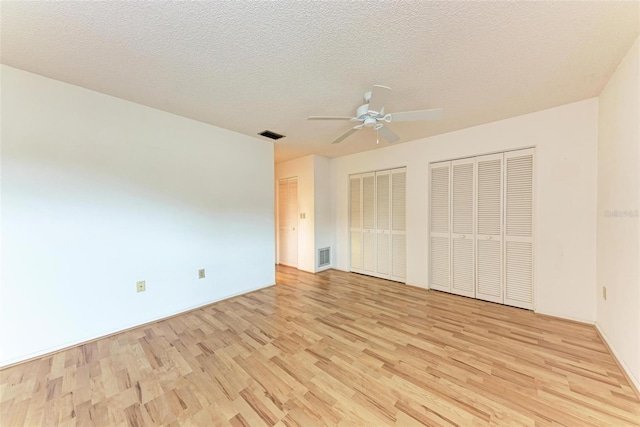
327, 349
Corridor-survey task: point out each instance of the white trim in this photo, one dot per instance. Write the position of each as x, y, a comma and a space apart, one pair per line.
105, 334
635, 382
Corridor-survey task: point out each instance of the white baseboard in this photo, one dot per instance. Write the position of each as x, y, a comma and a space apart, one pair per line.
52, 350
635, 382
561, 316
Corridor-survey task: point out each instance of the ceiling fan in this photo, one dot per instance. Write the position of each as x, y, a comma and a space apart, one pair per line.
372, 115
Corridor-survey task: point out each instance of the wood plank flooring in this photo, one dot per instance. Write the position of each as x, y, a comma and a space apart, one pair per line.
330, 349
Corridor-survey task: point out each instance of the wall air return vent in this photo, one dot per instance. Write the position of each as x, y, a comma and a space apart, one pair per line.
324, 257
272, 135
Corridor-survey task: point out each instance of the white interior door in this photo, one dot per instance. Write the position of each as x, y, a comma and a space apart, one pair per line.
293, 222
288, 222
440, 226
462, 222
369, 223
355, 222
518, 228
383, 224
488, 241
399, 224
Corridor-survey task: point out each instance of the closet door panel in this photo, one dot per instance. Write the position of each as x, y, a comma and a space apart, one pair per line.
489, 270
399, 224
369, 222
383, 260
440, 226
383, 222
439, 268
489, 228
518, 247
462, 218
356, 251
355, 222
368, 251
399, 257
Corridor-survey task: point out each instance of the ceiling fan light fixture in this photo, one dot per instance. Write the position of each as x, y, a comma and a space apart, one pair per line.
370, 122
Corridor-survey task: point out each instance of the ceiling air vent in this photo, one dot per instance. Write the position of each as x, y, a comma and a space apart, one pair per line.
272, 135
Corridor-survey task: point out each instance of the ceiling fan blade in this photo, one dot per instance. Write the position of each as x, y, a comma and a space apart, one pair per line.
379, 95
329, 118
409, 116
344, 135
388, 134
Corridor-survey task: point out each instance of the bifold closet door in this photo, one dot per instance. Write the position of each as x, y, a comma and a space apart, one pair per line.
369, 222
377, 223
355, 221
518, 233
489, 228
383, 223
462, 227
440, 226
399, 224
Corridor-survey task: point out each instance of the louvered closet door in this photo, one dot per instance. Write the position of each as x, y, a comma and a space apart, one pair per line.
518, 224
462, 227
439, 226
368, 223
489, 228
383, 224
355, 220
399, 225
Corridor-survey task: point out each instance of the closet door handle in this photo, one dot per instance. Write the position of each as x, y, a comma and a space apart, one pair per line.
488, 237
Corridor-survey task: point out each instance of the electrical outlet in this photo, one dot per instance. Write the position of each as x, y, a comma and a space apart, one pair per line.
604, 292
201, 273
141, 286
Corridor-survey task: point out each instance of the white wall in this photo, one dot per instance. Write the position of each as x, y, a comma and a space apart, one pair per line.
302, 168
566, 146
98, 193
619, 190
324, 230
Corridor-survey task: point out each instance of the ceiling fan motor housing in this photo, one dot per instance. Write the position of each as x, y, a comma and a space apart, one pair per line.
363, 114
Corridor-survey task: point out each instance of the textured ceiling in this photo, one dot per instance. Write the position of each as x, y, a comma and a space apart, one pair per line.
267, 65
